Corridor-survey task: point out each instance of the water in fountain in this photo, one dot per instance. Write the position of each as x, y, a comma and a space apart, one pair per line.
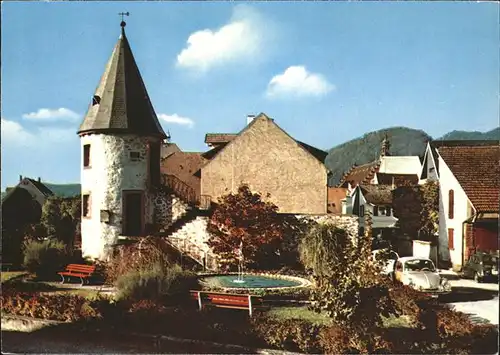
240, 280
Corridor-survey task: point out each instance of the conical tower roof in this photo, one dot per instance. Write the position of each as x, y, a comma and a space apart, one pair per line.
121, 103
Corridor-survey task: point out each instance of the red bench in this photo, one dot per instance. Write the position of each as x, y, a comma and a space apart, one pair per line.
84, 272
226, 300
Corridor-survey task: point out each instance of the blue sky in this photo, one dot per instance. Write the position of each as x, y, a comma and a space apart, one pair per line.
326, 72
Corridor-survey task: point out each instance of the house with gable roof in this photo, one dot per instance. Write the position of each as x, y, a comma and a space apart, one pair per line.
468, 173
386, 170
271, 162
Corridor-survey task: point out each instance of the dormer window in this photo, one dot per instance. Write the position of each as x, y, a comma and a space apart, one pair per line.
96, 100
135, 156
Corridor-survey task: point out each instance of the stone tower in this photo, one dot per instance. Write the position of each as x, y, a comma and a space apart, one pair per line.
385, 147
121, 142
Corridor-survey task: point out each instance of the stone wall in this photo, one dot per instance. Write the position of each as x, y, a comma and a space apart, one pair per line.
269, 161
350, 223
110, 172
192, 238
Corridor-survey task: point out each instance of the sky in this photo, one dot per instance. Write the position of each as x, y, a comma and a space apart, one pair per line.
327, 72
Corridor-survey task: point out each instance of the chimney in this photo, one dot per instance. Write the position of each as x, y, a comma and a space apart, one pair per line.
250, 118
20, 178
39, 179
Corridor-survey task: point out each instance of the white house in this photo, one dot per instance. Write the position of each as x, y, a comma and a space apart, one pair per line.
468, 173
376, 200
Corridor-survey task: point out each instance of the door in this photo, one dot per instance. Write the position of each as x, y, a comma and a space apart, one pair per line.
133, 211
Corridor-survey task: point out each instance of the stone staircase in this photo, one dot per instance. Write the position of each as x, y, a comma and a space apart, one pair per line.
187, 234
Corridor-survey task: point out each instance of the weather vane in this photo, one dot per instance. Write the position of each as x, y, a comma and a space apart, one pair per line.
124, 14
123, 23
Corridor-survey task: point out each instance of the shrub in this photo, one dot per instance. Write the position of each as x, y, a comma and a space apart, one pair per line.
288, 334
155, 282
45, 258
54, 307
136, 257
341, 340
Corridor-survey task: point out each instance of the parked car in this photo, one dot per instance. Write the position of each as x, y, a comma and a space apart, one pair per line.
481, 266
421, 274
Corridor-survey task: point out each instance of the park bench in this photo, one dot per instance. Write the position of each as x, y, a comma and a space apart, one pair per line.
84, 272
227, 300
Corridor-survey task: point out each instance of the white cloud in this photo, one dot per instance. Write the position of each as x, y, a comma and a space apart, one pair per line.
14, 133
239, 39
176, 119
47, 114
297, 81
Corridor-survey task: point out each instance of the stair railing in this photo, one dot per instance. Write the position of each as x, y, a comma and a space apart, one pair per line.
180, 188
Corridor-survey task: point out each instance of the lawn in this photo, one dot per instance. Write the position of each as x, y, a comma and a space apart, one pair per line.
299, 312
302, 312
9, 275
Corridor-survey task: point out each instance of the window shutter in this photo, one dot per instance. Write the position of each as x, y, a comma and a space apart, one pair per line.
450, 238
451, 204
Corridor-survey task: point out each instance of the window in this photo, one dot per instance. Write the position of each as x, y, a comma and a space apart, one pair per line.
154, 164
86, 156
451, 203
431, 170
361, 231
388, 211
96, 100
375, 210
362, 211
135, 156
86, 205
450, 238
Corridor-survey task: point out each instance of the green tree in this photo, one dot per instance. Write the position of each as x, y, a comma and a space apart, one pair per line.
347, 282
61, 217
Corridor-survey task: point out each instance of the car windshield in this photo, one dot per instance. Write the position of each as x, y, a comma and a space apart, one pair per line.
419, 265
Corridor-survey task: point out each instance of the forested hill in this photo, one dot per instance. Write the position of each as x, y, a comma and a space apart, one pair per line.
404, 141
494, 134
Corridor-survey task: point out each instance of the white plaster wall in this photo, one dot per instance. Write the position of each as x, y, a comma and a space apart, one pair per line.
110, 173
432, 174
448, 182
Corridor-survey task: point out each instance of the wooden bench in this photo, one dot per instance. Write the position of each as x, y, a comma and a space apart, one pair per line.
84, 272
226, 300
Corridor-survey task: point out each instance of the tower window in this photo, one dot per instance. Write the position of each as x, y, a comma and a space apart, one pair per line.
96, 100
86, 205
135, 156
86, 155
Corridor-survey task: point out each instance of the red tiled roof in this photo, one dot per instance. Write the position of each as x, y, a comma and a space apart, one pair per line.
477, 169
360, 174
377, 194
184, 165
219, 138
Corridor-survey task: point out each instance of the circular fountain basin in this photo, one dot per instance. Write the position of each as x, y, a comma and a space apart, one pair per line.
255, 282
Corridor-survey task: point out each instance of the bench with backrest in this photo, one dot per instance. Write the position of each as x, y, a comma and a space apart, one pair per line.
84, 272
227, 300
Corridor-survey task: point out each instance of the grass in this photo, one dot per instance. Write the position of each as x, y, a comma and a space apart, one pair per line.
300, 312
322, 319
9, 275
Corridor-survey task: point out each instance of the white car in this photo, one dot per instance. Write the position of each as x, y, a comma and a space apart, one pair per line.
421, 274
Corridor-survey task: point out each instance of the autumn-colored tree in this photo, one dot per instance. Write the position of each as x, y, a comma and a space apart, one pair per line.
407, 206
417, 209
243, 220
